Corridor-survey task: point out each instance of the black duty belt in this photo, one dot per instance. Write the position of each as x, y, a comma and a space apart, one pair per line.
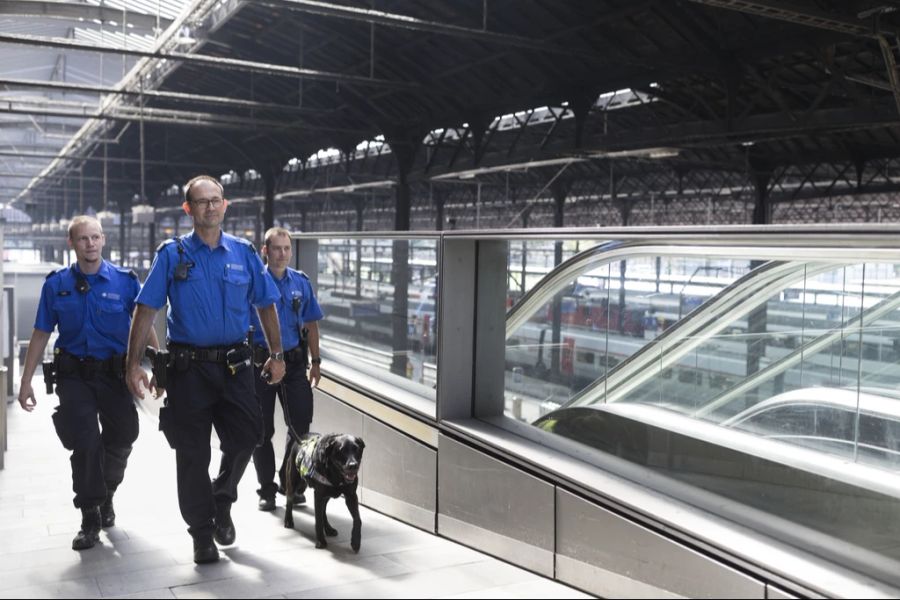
261, 355
212, 354
88, 366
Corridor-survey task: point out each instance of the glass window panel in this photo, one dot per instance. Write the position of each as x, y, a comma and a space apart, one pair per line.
367, 326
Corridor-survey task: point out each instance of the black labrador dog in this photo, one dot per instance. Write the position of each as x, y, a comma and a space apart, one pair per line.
329, 464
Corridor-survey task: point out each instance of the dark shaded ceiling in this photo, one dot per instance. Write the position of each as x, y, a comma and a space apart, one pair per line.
749, 88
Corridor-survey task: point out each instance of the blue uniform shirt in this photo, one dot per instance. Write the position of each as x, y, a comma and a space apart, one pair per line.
292, 285
94, 323
212, 306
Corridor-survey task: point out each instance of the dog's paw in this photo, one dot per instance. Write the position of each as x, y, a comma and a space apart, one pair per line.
321, 544
355, 538
288, 523
331, 531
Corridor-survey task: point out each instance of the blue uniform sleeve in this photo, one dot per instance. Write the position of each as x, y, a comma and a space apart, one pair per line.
311, 309
156, 288
46, 318
134, 290
264, 292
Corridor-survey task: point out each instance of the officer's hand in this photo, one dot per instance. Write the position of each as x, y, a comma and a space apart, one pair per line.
136, 378
154, 387
26, 396
314, 375
275, 369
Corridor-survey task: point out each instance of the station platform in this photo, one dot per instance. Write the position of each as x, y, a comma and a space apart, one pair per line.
149, 554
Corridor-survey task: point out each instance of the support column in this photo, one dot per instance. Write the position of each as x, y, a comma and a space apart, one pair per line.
359, 227
761, 209
757, 320
438, 196
270, 180
404, 144
559, 189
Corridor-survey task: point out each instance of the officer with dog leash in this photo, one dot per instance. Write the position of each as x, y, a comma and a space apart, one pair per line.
297, 309
211, 279
91, 302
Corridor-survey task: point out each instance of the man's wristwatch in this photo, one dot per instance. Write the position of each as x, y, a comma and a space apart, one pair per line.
316, 361
277, 356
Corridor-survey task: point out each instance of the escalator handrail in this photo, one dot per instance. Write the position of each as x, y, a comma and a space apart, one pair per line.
884, 307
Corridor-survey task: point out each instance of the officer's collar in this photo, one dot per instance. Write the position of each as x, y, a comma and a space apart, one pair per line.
285, 277
104, 271
194, 241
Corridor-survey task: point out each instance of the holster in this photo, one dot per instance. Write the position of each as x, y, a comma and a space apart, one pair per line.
159, 363
304, 348
238, 359
50, 375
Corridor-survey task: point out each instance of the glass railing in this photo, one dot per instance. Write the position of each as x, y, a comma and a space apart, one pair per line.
379, 297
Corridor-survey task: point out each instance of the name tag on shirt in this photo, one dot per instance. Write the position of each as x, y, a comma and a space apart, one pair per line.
234, 267
111, 295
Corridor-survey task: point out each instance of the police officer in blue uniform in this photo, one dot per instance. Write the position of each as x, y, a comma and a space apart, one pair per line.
298, 309
91, 302
210, 279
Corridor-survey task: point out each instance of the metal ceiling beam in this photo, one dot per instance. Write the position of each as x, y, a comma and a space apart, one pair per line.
378, 17
218, 62
75, 11
758, 128
127, 161
78, 110
792, 13
175, 96
57, 180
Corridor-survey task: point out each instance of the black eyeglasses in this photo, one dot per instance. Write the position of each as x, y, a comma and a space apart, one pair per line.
215, 203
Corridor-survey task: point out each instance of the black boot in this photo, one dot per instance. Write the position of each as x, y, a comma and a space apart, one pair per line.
108, 512
205, 550
267, 502
225, 532
90, 529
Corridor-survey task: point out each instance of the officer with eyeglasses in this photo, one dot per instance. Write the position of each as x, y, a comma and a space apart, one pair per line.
298, 311
91, 303
210, 279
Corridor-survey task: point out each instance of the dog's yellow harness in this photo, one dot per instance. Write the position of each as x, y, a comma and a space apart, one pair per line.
304, 460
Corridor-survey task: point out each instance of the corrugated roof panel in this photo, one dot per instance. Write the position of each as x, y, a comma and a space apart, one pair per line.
42, 64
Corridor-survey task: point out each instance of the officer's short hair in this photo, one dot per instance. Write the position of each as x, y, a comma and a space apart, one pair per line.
190, 184
82, 220
275, 231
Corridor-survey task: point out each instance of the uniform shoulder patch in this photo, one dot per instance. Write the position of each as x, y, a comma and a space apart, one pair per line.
165, 243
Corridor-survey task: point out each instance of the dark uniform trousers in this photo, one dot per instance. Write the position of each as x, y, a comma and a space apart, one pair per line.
298, 412
203, 396
99, 451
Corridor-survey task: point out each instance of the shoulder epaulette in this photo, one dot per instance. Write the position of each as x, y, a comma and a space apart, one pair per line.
165, 243
302, 274
126, 271
246, 242
54, 272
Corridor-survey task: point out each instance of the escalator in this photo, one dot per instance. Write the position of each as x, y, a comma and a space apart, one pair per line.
780, 393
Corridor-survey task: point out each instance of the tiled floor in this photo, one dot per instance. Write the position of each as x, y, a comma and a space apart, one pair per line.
149, 554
